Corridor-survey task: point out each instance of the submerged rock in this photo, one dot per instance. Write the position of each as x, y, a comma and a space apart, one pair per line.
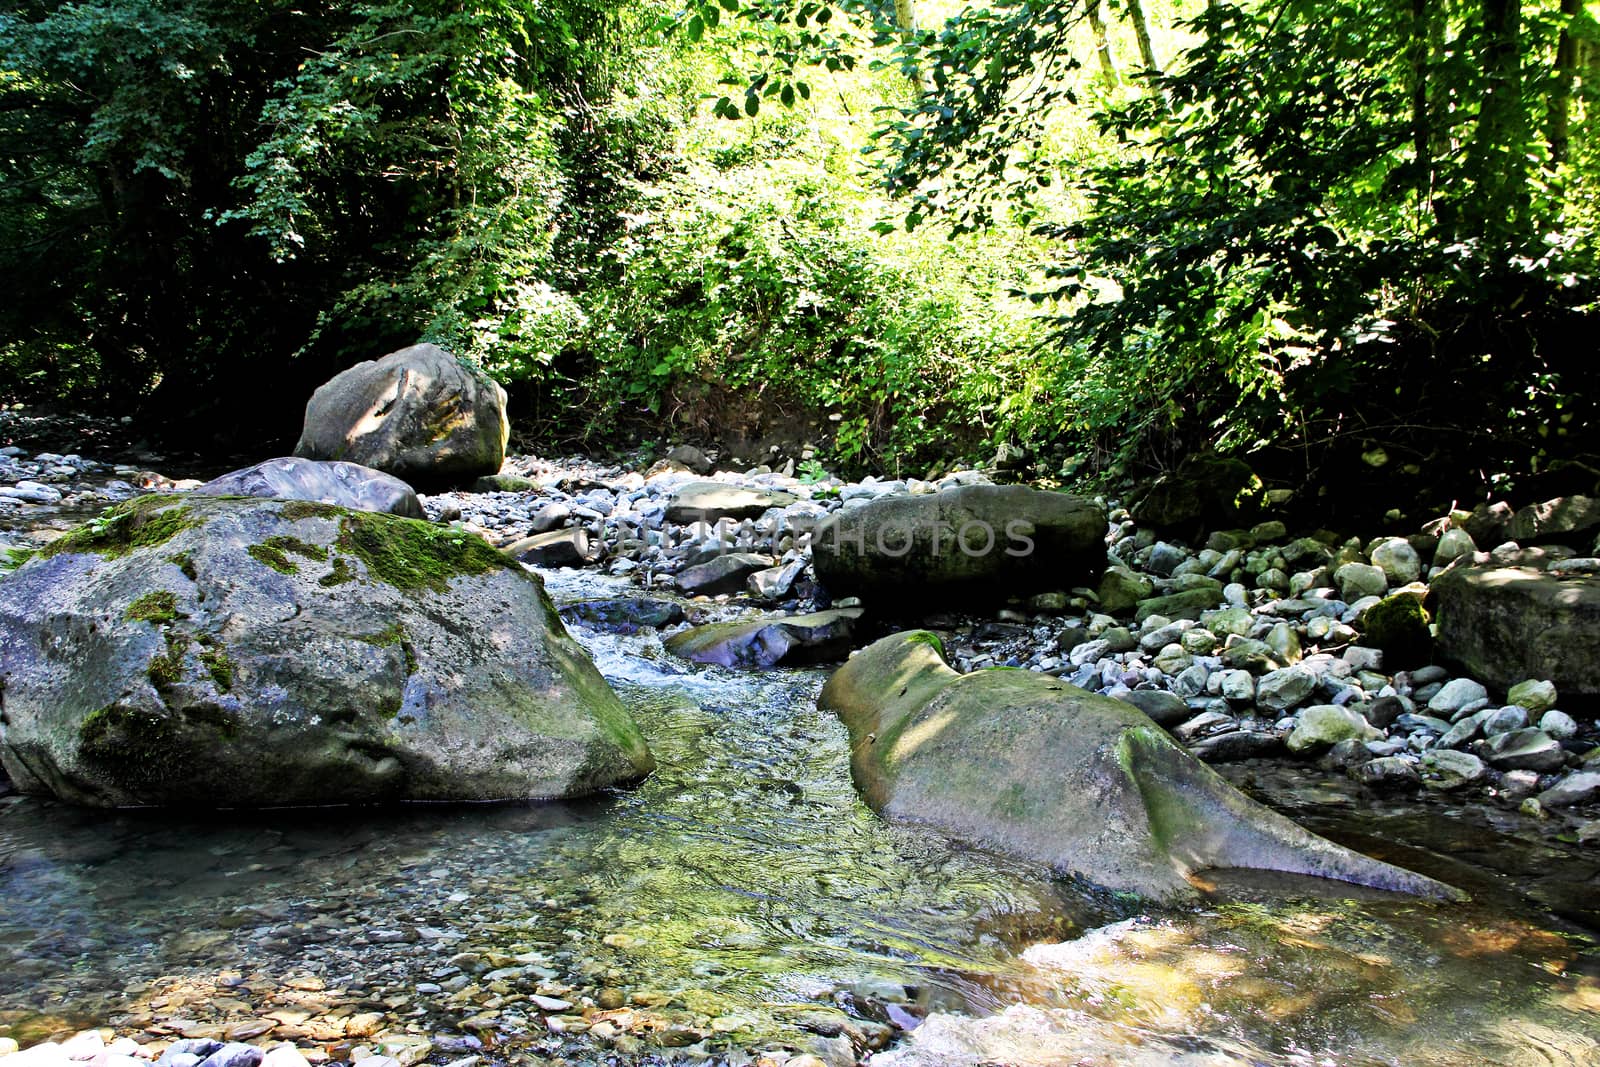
419, 414
244, 653
623, 615
1026, 764
974, 543
345, 485
759, 643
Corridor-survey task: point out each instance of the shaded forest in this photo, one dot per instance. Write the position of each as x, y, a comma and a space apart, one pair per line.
1341, 238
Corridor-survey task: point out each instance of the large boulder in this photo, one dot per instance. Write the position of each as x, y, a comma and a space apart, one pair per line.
760, 643
1205, 491
1026, 764
975, 543
345, 485
1506, 624
419, 414
218, 652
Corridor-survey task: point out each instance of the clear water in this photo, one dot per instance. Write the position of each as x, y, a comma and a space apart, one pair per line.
744, 881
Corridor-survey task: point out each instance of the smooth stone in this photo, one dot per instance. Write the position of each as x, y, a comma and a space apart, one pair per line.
762, 643
708, 502
1357, 580
1398, 560
1505, 625
1445, 769
558, 548
1504, 720
1282, 689
1534, 694
1026, 764
1387, 772
1456, 694
1578, 788
1323, 725
234, 1054
1237, 745
345, 485
1166, 709
722, 574
1527, 749
1559, 725
623, 615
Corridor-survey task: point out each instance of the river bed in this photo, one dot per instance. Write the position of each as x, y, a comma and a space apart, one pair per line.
743, 899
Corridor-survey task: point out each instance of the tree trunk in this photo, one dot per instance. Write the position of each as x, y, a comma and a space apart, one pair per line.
1102, 45
1561, 89
1421, 119
1499, 148
905, 20
1141, 30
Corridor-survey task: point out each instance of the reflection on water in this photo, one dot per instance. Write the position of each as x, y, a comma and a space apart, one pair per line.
743, 878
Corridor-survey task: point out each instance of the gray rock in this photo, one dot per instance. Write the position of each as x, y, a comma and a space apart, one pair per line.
1504, 720
1237, 745
418, 414
1559, 725
1578, 788
775, 583
623, 615
1465, 729
1164, 558
1167, 709
1387, 772
723, 574
1556, 519
974, 544
697, 502
1282, 689
1453, 544
1121, 589
1455, 695
1528, 750
1398, 560
206, 651
1507, 624
1327, 724
1026, 764
234, 1054
552, 516
1535, 695
691, 457
558, 548
1357, 580
1445, 769
761, 643
1238, 687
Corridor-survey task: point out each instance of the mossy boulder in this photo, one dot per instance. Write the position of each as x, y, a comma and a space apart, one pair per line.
1502, 625
1026, 764
227, 652
1205, 491
419, 414
974, 544
1398, 625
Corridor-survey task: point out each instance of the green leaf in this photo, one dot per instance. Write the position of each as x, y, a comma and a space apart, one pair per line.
787, 96
696, 28
752, 104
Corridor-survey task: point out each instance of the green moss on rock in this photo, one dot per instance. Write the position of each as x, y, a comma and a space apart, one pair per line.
295, 510
1399, 626
340, 574
157, 607
274, 552
219, 666
185, 563
412, 555
143, 522
166, 669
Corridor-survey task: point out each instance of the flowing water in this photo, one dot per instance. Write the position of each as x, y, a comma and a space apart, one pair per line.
744, 886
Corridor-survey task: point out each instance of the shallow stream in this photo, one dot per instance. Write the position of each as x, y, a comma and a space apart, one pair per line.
743, 886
